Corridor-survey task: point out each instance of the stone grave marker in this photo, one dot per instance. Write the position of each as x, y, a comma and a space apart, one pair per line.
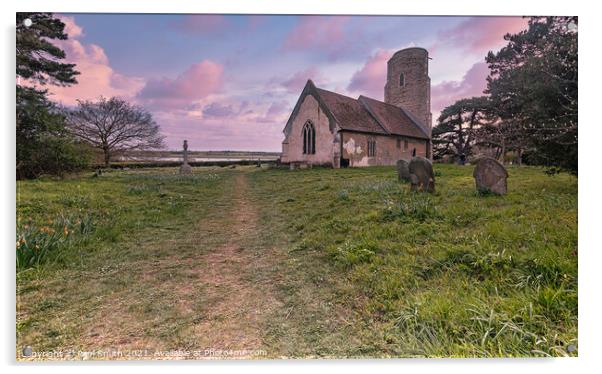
490, 176
403, 171
422, 177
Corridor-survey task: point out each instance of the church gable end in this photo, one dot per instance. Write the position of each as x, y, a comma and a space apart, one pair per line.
309, 89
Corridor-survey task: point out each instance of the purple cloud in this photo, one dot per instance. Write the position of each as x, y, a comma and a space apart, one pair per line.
217, 110
472, 84
371, 78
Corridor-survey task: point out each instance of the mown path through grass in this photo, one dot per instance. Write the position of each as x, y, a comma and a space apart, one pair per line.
236, 307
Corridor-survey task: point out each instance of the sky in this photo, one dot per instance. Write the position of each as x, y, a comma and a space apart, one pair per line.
230, 82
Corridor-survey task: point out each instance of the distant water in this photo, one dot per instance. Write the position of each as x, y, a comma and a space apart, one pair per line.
194, 159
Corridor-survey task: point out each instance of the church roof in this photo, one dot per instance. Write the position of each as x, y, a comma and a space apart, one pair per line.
364, 114
349, 113
395, 120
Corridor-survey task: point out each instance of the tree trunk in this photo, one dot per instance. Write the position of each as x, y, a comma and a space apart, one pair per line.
107, 157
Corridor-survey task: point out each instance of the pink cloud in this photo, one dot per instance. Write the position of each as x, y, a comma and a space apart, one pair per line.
96, 75
202, 23
71, 28
326, 33
480, 34
370, 79
197, 82
296, 83
472, 84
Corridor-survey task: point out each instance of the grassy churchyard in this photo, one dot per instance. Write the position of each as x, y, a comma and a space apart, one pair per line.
305, 263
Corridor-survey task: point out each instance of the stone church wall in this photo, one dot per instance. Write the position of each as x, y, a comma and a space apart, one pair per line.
293, 150
355, 149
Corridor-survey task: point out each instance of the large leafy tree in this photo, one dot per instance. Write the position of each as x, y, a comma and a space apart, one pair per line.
457, 127
43, 144
501, 136
38, 60
114, 126
533, 86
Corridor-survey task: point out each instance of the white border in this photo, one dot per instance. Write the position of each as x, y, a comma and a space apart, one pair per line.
590, 163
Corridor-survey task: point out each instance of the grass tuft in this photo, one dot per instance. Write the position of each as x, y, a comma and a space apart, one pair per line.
35, 245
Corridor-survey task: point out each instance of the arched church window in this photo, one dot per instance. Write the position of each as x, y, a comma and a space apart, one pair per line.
309, 139
402, 80
371, 147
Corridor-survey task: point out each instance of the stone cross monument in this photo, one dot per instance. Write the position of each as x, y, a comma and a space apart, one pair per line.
185, 168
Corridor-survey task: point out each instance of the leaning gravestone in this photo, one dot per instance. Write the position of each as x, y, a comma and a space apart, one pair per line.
403, 171
421, 175
185, 168
490, 176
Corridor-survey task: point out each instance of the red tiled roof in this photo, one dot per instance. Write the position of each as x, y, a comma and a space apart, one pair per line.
369, 115
394, 119
349, 113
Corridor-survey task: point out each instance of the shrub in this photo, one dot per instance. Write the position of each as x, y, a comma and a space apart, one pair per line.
43, 144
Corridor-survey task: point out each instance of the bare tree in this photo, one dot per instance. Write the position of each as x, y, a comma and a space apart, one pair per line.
114, 126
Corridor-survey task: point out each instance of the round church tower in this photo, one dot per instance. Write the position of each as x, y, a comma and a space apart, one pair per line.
408, 84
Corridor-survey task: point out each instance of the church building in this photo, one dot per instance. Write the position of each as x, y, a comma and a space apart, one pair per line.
330, 129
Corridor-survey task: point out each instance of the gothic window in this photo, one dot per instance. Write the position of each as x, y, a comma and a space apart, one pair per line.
405, 145
309, 139
402, 80
398, 143
371, 147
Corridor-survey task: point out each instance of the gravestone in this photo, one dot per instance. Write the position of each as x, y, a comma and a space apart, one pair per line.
422, 177
403, 171
185, 169
490, 176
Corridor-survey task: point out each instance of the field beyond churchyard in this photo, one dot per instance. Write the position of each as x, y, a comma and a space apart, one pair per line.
274, 263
